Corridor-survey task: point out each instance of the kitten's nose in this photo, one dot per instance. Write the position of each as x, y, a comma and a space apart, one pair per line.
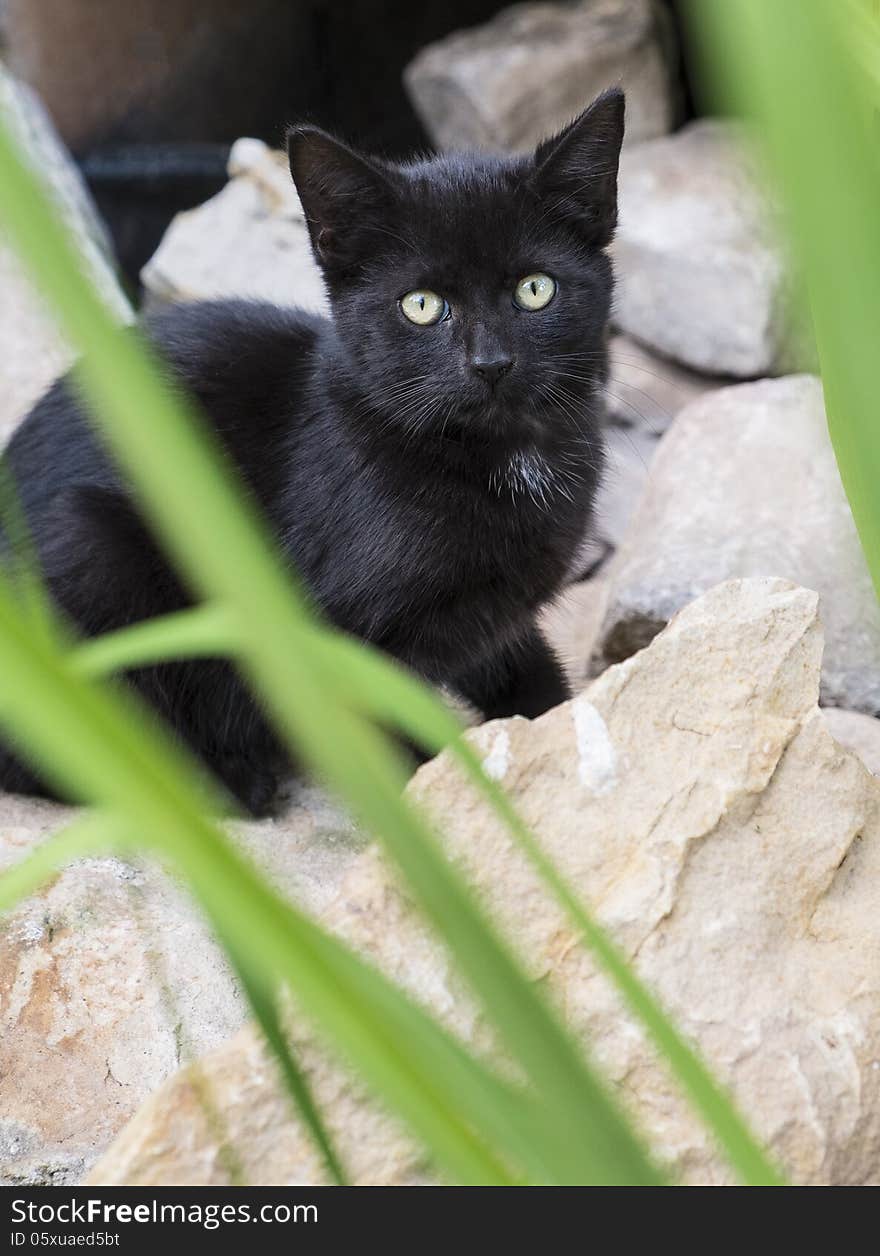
492, 368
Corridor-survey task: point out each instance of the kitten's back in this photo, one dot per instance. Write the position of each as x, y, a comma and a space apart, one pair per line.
245, 364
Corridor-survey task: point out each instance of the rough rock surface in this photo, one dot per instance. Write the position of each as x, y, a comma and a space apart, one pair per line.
857, 732
31, 349
746, 484
109, 981
695, 798
702, 275
522, 76
250, 240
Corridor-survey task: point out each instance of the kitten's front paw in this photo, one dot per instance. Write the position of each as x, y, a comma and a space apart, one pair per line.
253, 786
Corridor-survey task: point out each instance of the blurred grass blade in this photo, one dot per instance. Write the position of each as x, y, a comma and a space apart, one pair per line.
262, 1000
202, 631
789, 64
19, 557
341, 992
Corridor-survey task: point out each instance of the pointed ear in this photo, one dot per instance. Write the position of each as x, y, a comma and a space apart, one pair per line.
576, 171
343, 195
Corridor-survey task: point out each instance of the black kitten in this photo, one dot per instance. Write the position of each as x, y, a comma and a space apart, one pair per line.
428, 458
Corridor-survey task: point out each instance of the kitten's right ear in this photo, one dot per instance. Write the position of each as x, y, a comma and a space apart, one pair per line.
576, 171
343, 195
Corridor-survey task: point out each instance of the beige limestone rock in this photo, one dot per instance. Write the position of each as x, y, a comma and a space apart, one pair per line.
110, 981
695, 798
226, 1120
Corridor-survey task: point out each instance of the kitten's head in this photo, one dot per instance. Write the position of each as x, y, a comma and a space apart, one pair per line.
471, 292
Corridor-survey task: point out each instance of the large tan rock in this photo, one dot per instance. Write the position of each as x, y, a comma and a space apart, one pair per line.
32, 351
110, 981
695, 798
226, 1120
506, 85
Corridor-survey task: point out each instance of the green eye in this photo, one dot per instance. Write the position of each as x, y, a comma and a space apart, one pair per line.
534, 292
423, 307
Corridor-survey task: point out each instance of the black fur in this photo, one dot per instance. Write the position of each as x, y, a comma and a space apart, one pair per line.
428, 510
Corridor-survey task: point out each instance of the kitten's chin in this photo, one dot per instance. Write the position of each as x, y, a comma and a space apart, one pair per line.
500, 418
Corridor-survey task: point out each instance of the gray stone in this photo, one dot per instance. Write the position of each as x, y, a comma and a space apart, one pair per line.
746, 484
645, 392
506, 85
110, 981
702, 273
643, 395
250, 240
32, 351
629, 455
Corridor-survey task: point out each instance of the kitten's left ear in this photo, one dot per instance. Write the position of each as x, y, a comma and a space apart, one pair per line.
576, 171
343, 196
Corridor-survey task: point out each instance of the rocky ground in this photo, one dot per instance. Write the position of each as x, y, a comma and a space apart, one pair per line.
722, 825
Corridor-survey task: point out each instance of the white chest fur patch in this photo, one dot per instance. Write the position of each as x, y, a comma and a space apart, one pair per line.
527, 473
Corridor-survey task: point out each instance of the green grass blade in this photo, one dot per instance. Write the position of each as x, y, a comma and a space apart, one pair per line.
19, 557
262, 1001
392, 696
789, 64
202, 631
167, 812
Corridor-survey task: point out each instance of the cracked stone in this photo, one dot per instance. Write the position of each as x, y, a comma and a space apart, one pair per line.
110, 981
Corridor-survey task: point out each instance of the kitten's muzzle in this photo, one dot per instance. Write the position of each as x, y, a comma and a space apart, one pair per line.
491, 369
